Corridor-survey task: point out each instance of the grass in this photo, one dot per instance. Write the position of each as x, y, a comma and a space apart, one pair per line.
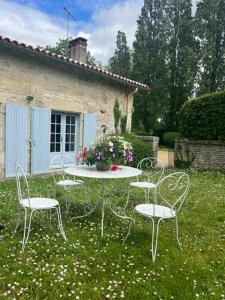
90, 267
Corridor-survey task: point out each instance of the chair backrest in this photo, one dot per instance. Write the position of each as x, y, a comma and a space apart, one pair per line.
172, 190
61, 162
152, 169
22, 184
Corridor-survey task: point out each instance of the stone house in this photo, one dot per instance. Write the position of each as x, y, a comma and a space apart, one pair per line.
52, 104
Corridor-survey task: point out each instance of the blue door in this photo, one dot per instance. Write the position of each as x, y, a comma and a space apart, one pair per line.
16, 150
64, 135
40, 133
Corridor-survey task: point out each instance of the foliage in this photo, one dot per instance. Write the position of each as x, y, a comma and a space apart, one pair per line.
203, 117
116, 114
160, 132
209, 29
169, 138
88, 266
123, 124
111, 150
61, 48
140, 148
182, 56
150, 65
120, 62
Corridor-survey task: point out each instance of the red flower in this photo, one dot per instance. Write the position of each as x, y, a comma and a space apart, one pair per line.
85, 152
114, 168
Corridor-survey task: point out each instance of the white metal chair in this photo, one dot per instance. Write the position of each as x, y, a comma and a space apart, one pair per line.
32, 204
169, 197
152, 172
64, 181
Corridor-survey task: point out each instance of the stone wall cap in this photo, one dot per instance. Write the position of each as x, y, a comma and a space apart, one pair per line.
201, 142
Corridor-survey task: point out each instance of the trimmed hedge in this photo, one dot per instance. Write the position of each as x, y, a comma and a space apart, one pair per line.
170, 137
140, 148
203, 118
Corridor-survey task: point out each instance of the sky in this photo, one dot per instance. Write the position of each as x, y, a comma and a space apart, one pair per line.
44, 22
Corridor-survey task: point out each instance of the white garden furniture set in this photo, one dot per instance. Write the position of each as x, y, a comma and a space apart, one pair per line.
168, 194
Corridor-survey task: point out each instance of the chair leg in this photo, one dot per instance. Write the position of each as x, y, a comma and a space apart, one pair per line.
129, 229
60, 222
25, 240
18, 221
128, 198
24, 230
155, 238
177, 233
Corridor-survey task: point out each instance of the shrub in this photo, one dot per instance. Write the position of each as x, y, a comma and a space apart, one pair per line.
203, 117
160, 132
140, 148
169, 138
123, 124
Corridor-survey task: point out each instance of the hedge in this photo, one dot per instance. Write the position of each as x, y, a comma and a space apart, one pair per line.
203, 118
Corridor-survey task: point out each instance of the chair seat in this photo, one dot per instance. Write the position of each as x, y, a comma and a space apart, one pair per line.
158, 211
39, 203
69, 182
143, 184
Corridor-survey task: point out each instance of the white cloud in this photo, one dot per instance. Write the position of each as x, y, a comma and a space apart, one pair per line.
28, 24
105, 24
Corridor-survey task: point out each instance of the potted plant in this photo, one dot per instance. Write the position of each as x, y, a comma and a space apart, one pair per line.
108, 151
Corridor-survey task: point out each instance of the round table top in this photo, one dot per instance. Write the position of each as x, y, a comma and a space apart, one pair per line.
91, 172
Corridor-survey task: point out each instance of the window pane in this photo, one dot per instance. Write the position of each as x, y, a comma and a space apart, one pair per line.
57, 147
58, 128
67, 147
67, 128
52, 147
52, 138
73, 120
53, 118
58, 138
58, 119
72, 128
67, 119
72, 138
52, 128
71, 147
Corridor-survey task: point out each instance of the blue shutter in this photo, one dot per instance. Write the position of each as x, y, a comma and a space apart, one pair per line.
16, 138
40, 140
89, 133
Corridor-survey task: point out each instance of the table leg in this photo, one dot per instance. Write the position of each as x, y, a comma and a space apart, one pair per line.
102, 191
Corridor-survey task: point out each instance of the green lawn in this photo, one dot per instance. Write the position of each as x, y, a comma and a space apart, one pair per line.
90, 267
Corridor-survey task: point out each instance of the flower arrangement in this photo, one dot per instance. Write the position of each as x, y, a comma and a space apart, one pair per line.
110, 150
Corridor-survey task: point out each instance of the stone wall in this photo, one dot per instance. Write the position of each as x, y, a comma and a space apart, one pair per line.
60, 87
200, 154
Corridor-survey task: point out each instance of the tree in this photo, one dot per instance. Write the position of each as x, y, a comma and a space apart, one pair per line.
150, 65
61, 48
120, 62
210, 30
182, 56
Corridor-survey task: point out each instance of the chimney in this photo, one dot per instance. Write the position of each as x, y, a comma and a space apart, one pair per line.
78, 49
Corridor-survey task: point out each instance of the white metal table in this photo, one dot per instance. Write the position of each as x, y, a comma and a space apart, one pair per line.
91, 172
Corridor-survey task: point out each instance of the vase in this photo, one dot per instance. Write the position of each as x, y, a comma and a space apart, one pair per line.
102, 166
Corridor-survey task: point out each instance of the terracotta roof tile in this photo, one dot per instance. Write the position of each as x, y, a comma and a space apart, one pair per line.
74, 62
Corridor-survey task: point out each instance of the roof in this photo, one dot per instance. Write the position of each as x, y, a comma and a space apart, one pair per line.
73, 62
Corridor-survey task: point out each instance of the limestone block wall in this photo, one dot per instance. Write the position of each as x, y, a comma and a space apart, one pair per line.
200, 154
59, 87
